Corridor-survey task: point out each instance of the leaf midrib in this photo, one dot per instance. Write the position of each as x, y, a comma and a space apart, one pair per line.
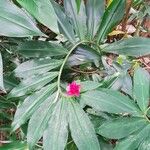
15, 22
128, 106
43, 79
53, 65
35, 103
108, 22
78, 120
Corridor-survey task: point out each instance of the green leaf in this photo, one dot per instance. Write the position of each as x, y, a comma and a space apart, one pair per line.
89, 85
136, 47
127, 85
78, 3
1, 74
84, 54
95, 10
121, 127
105, 145
5, 128
112, 16
141, 88
39, 121
10, 82
40, 49
110, 101
137, 2
43, 11
96, 119
145, 145
36, 67
5, 117
4, 104
31, 104
64, 23
82, 130
15, 145
16, 23
133, 141
33, 83
56, 134
71, 146
108, 82
78, 17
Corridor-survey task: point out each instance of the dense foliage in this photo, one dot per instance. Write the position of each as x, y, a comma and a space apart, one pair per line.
71, 78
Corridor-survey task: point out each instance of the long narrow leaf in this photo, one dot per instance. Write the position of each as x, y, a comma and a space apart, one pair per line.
31, 84
30, 105
78, 18
43, 11
39, 121
141, 88
136, 47
110, 101
56, 134
121, 127
64, 23
112, 16
145, 144
133, 141
36, 67
40, 49
78, 2
82, 131
95, 10
16, 23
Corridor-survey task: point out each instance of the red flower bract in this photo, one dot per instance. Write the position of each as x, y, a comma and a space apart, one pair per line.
73, 89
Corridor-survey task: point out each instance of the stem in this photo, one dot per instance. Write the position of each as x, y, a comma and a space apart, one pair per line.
62, 67
84, 72
138, 28
128, 7
64, 62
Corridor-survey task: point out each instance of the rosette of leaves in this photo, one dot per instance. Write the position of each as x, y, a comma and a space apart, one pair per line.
50, 113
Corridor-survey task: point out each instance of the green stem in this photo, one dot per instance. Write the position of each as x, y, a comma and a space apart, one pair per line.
64, 62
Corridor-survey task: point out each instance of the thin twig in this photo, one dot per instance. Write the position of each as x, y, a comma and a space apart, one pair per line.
125, 20
84, 72
142, 61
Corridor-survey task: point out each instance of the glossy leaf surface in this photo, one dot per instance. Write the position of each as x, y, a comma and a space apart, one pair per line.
57, 129
130, 47
36, 67
82, 131
95, 10
110, 101
31, 104
112, 16
40, 49
121, 127
16, 23
43, 11
78, 18
142, 88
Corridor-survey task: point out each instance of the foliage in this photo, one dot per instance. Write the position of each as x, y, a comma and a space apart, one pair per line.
112, 105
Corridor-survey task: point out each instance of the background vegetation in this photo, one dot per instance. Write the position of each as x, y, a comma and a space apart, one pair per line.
103, 46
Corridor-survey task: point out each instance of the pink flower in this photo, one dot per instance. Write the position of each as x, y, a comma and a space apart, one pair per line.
73, 89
